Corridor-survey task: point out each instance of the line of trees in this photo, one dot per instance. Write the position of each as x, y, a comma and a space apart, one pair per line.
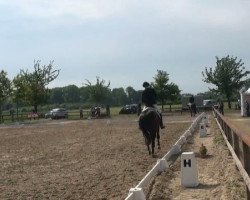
98, 93
31, 88
27, 88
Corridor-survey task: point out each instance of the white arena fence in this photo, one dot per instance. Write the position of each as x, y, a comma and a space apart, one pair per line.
162, 164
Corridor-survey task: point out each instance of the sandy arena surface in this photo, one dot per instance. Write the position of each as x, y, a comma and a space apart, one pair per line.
88, 159
101, 159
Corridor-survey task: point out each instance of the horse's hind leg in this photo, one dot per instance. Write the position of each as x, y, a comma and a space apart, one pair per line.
149, 150
147, 141
153, 147
158, 140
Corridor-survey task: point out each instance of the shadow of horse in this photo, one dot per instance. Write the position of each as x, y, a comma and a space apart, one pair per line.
149, 123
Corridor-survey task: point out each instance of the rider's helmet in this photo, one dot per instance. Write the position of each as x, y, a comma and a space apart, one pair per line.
145, 84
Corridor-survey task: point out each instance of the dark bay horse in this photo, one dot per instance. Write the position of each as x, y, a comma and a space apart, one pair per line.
149, 123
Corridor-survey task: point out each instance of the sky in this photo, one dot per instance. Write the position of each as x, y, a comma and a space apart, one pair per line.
123, 41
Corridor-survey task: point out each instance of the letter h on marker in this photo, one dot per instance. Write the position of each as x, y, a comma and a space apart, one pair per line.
187, 162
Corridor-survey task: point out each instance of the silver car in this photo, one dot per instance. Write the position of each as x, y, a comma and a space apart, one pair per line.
208, 103
57, 113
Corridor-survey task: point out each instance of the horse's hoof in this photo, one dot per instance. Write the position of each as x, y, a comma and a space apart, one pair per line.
154, 156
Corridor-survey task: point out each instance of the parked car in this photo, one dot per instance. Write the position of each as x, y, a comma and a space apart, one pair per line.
208, 103
57, 113
129, 109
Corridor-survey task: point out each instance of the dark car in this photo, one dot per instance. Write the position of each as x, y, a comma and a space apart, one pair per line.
129, 109
57, 113
208, 104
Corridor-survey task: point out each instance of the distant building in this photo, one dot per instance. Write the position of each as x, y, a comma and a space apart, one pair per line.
244, 96
198, 100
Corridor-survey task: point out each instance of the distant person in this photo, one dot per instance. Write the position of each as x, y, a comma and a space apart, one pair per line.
98, 111
221, 107
192, 106
108, 110
191, 99
149, 99
138, 109
92, 110
247, 108
12, 114
81, 113
238, 102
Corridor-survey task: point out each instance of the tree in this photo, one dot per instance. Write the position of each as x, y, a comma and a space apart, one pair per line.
99, 92
5, 89
165, 91
209, 95
84, 95
56, 95
131, 94
71, 94
247, 84
173, 92
228, 76
19, 90
37, 92
160, 85
119, 96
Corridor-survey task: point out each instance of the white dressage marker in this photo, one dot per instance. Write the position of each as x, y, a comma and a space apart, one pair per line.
189, 173
203, 131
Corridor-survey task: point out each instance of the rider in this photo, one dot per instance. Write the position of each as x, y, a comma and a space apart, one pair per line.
149, 99
192, 104
191, 100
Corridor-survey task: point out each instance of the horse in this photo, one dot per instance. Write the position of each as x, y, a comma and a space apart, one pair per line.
192, 108
149, 124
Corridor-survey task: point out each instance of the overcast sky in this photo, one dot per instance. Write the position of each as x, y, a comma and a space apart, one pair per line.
123, 41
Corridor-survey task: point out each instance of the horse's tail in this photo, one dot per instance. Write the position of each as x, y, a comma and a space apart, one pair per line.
143, 125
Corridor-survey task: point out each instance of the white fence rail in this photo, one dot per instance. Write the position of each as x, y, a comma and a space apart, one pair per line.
137, 193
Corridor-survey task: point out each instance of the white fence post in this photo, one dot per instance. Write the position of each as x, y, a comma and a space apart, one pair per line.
163, 165
202, 130
138, 193
176, 149
205, 120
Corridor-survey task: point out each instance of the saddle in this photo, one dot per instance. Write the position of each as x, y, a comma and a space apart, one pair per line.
146, 109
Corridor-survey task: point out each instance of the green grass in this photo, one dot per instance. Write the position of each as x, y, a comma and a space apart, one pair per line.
74, 114
115, 110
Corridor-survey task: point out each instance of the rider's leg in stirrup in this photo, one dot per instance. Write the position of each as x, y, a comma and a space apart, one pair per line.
160, 115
